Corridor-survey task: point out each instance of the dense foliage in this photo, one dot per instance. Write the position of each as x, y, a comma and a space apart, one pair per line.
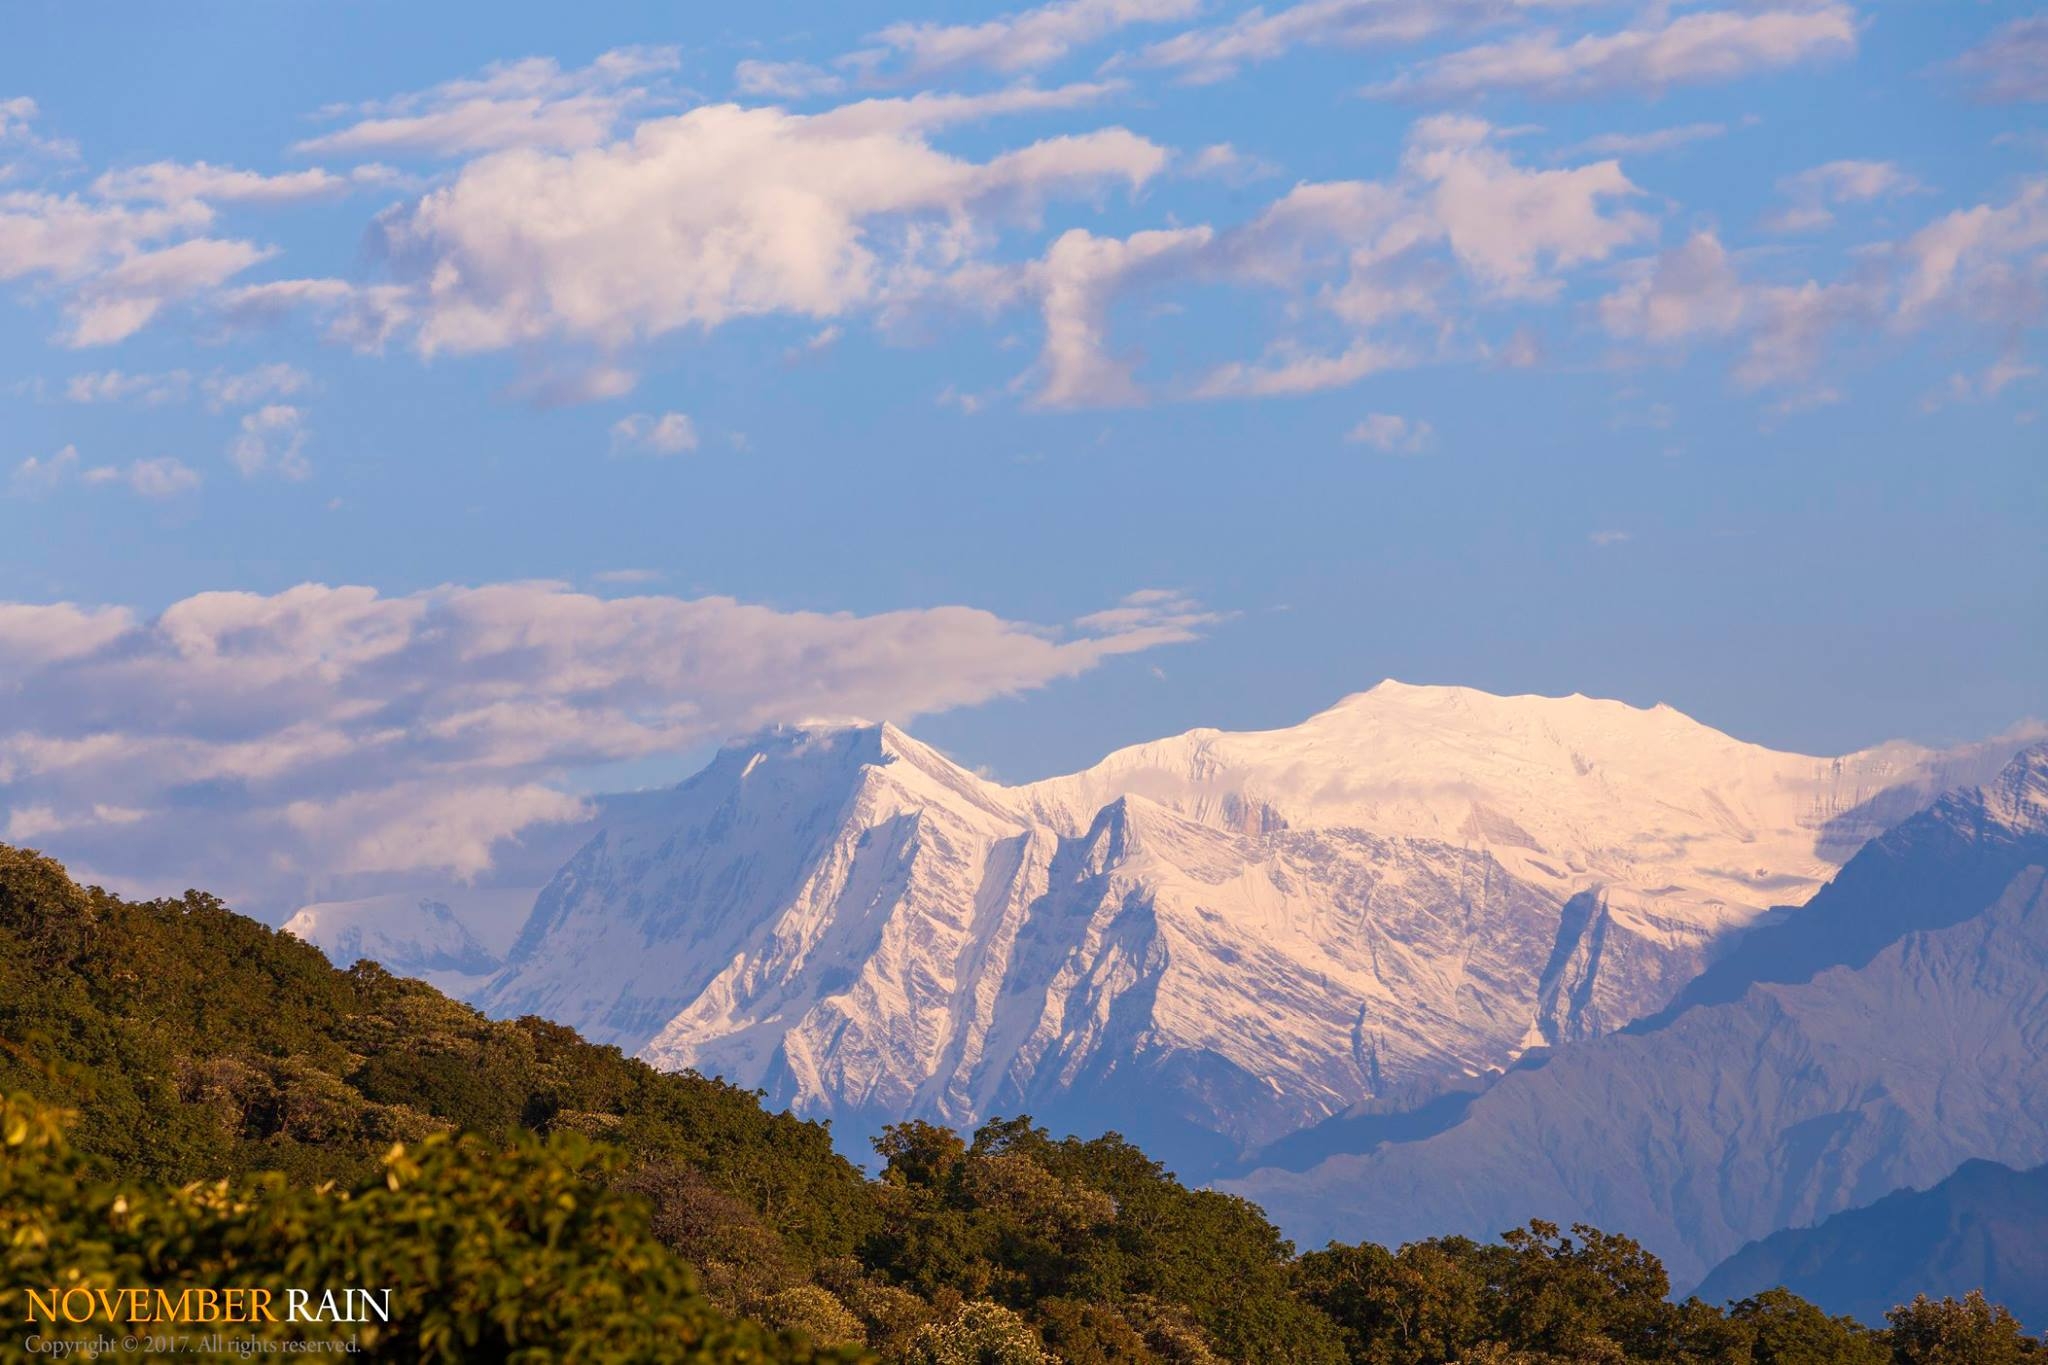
243, 1113
496, 1251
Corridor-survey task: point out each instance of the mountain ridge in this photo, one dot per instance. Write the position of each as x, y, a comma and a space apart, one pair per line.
1730, 1118
1980, 1228
1395, 899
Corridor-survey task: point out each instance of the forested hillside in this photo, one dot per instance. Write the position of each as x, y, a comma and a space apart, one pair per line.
199, 1100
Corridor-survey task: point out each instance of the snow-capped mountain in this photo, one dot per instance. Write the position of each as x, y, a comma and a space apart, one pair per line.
1873, 1040
1209, 941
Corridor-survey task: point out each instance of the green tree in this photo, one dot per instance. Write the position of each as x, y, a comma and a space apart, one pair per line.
1965, 1331
491, 1253
981, 1333
1787, 1330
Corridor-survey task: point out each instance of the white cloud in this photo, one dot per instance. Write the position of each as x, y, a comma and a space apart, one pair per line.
247, 387
350, 734
272, 438
1606, 538
2005, 371
1080, 275
1149, 609
1982, 263
1370, 255
529, 103
724, 212
1521, 351
38, 635
785, 80
562, 386
115, 262
115, 386
67, 238
1687, 291
1795, 325
1509, 227
162, 477
1692, 49
1647, 143
1223, 161
1258, 34
1391, 434
668, 433
257, 304
1813, 194
223, 389
2011, 66
121, 300
172, 182
18, 116
1023, 41
365, 317
27, 824
1695, 290
41, 473
818, 342
2000, 375
1290, 372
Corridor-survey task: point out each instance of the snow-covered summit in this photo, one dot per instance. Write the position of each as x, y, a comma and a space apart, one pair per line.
1210, 939
1569, 792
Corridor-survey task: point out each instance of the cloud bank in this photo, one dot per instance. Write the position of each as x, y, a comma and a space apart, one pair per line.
281, 747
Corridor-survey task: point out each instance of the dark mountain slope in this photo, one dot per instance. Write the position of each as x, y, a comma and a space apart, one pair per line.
1985, 1227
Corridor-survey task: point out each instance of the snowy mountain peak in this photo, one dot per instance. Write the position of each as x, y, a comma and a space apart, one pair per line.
1569, 792
1231, 934
2019, 797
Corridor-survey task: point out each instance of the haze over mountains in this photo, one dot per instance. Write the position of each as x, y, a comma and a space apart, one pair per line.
1211, 941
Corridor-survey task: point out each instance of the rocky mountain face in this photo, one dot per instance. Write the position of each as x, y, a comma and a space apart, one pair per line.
1985, 1227
1892, 1029
1210, 941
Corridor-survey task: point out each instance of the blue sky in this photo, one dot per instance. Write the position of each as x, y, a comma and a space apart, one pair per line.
1051, 378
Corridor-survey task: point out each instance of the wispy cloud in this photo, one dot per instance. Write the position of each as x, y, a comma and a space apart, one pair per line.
116, 386
2010, 66
1692, 49
1978, 271
1459, 221
272, 440
116, 266
528, 103
1215, 52
172, 182
243, 388
1649, 143
1022, 41
1391, 434
646, 433
156, 478
19, 132
1813, 195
